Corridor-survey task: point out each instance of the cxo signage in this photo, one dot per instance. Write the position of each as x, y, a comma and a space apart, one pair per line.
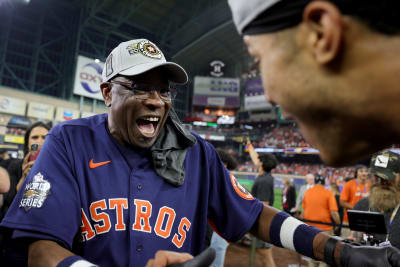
88, 78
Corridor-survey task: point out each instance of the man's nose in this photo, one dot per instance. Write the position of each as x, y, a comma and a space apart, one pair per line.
154, 99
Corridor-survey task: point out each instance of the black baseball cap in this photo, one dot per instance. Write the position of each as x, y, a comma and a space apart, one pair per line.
385, 164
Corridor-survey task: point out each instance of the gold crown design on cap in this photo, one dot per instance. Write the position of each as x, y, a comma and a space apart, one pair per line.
147, 49
385, 164
139, 56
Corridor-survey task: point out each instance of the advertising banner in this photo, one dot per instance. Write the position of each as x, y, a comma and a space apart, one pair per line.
202, 100
66, 114
211, 86
41, 111
88, 78
12, 105
13, 139
254, 96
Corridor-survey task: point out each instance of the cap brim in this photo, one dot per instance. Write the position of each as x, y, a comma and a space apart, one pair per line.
383, 173
176, 73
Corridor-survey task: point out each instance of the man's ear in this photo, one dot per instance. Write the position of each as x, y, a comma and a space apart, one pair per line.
325, 29
106, 91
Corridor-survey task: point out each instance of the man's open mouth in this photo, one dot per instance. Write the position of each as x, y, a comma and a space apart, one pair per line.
147, 125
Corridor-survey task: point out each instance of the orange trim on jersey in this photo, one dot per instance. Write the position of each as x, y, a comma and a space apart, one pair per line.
164, 211
100, 217
94, 165
118, 204
240, 190
87, 231
184, 224
143, 214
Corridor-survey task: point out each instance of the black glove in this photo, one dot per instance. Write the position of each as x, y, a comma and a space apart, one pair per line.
367, 256
204, 259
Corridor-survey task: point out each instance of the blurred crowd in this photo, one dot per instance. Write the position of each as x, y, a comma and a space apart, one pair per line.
283, 137
333, 174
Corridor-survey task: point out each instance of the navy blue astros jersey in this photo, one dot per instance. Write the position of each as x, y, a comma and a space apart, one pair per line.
105, 202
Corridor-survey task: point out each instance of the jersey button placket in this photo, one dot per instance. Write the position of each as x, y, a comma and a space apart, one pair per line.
139, 187
139, 248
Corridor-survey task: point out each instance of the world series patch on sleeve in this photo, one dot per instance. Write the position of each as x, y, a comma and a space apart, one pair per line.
35, 192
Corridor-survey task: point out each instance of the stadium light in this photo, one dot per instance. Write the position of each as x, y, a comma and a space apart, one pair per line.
24, 2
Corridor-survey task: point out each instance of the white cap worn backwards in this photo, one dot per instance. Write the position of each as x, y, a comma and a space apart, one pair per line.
243, 12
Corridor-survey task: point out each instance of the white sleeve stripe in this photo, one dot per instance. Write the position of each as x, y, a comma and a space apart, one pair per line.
83, 263
288, 228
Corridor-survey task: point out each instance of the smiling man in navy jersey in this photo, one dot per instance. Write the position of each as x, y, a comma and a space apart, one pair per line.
120, 188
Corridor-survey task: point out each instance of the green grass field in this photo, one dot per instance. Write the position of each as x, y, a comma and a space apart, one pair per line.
277, 192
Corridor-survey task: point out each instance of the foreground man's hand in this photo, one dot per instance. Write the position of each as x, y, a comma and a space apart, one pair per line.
164, 258
174, 259
369, 256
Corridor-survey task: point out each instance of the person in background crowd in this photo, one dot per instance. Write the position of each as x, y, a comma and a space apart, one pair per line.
11, 253
319, 204
217, 242
352, 192
288, 196
5, 159
4, 186
336, 192
385, 195
263, 189
309, 183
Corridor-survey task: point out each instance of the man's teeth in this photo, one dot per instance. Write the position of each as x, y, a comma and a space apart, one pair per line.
151, 119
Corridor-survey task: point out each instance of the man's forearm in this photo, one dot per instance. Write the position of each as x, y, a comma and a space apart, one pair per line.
283, 230
253, 155
45, 253
336, 217
346, 204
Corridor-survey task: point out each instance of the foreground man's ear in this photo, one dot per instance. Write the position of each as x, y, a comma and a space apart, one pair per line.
106, 91
324, 29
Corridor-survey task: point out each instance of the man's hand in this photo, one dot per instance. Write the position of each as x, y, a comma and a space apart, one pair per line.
174, 259
368, 256
164, 258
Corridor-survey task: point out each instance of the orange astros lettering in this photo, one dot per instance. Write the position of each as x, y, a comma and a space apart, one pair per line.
93, 165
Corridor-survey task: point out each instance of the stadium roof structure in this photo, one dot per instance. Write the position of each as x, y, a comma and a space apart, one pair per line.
39, 41
192, 32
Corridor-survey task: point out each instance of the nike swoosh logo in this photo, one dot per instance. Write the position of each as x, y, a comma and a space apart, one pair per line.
94, 165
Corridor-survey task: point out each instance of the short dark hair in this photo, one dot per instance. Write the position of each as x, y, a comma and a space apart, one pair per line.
227, 159
268, 161
319, 179
380, 16
357, 168
29, 130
